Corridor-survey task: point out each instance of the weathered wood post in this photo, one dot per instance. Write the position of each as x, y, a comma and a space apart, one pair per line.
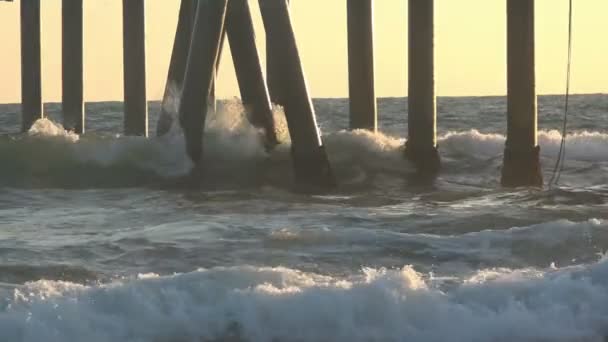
134, 49
31, 67
200, 70
311, 165
273, 72
254, 93
362, 94
421, 146
72, 66
521, 159
177, 66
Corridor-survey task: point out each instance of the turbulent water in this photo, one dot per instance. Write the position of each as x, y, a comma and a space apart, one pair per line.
101, 241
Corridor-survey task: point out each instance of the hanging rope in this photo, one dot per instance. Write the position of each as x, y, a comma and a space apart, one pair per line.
559, 164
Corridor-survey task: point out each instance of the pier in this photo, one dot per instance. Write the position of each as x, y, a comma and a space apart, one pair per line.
134, 61
202, 28
421, 147
72, 66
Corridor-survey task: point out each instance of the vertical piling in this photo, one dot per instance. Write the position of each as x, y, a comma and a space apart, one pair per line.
273, 72
311, 165
362, 94
521, 159
421, 146
134, 49
177, 66
31, 68
254, 93
200, 70
72, 66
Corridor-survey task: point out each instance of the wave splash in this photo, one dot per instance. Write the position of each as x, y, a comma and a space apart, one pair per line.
49, 156
281, 304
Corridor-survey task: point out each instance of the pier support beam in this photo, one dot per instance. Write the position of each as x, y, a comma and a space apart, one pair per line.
362, 94
254, 93
521, 160
273, 71
134, 49
31, 68
421, 146
177, 66
311, 166
200, 70
72, 66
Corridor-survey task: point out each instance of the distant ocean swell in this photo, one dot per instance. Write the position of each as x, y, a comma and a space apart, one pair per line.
280, 304
48, 156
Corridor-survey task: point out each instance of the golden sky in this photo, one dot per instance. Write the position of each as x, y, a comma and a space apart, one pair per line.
470, 53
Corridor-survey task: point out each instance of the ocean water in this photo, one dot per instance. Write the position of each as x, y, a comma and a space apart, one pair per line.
100, 241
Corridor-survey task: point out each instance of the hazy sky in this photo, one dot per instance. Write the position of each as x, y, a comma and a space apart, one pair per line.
470, 40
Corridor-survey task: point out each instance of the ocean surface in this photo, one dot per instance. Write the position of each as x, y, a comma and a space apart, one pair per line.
100, 241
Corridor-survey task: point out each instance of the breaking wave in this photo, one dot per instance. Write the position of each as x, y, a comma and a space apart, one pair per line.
280, 304
581, 146
48, 156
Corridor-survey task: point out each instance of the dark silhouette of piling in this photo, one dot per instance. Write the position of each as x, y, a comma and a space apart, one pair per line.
177, 66
200, 70
72, 66
362, 94
274, 65
134, 49
311, 165
521, 159
31, 68
254, 93
421, 146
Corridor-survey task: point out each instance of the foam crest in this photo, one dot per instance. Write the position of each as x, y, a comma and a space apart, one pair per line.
473, 143
65, 159
360, 155
234, 151
280, 304
45, 128
582, 146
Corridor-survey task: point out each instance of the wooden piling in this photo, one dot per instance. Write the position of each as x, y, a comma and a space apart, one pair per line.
311, 166
254, 93
274, 70
177, 66
521, 159
134, 49
362, 94
200, 70
72, 66
31, 67
421, 146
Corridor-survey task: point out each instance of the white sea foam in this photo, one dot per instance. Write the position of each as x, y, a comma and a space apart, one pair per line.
366, 151
233, 149
583, 146
45, 128
472, 143
280, 304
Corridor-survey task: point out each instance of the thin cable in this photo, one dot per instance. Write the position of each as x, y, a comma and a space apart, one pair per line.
559, 164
